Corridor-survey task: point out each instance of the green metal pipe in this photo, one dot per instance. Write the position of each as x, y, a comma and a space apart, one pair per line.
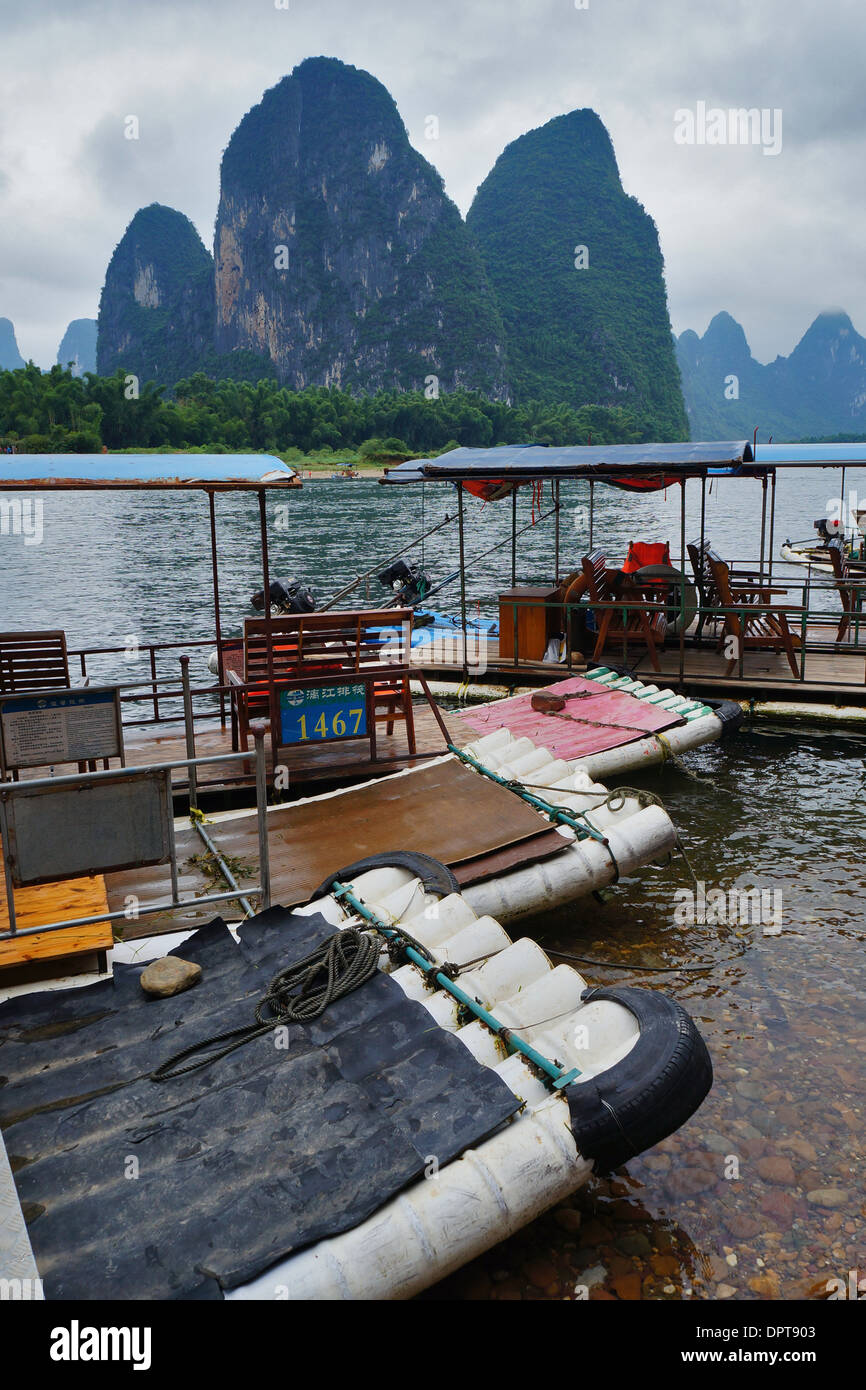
555, 1073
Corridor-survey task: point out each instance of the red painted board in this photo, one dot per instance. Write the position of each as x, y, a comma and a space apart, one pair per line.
623, 719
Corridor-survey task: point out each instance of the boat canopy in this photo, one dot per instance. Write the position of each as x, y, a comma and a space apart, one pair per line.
228, 471
811, 455
640, 466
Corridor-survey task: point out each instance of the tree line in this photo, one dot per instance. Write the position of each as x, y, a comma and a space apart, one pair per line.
57, 412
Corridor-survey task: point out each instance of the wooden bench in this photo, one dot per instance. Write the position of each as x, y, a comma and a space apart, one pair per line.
699, 554
34, 661
756, 624
622, 613
301, 652
850, 588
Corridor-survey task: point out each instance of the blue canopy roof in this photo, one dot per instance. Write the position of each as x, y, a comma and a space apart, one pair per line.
609, 462
803, 455
228, 471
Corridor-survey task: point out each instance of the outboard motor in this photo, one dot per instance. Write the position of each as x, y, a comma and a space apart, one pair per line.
829, 527
408, 582
289, 597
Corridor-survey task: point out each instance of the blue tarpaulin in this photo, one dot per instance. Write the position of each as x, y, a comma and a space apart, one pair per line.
143, 470
622, 463
610, 462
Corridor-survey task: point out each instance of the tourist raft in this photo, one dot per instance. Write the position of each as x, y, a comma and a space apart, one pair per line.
601, 728
356, 1098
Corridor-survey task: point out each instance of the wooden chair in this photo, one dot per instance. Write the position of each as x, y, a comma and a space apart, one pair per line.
297, 650
699, 552
850, 589
756, 624
34, 661
629, 620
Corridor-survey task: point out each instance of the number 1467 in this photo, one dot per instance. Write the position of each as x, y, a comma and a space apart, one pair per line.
339, 727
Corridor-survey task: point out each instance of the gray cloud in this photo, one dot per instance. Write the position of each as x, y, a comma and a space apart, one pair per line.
773, 240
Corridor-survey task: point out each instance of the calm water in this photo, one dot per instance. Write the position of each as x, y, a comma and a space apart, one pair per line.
761, 1194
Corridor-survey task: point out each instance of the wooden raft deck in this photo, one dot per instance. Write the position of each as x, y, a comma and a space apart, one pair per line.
306, 763
833, 674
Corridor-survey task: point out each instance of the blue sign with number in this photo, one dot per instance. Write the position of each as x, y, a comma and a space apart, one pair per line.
323, 712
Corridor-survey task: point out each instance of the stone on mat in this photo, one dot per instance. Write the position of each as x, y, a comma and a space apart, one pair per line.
168, 976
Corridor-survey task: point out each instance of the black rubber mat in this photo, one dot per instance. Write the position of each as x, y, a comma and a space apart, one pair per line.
181, 1189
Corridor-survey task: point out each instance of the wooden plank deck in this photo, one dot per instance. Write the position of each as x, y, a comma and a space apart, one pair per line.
443, 810
307, 763
833, 673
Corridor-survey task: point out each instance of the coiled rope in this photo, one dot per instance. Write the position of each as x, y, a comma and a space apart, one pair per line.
298, 994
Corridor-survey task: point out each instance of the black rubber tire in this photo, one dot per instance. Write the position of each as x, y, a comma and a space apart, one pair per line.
651, 1092
729, 712
436, 878
675, 614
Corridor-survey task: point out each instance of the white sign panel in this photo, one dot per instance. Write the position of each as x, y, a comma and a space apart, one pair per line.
60, 727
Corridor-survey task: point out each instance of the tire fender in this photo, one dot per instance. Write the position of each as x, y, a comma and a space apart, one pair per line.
436, 878
651, 1092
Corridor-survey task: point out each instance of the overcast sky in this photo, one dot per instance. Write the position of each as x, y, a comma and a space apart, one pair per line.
772, 238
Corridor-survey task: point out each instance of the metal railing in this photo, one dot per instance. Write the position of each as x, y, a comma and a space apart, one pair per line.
806, 624
150, 651
11, 790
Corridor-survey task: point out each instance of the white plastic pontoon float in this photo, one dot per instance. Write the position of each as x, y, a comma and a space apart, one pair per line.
601, 1074
614, 833
705, 721
630, 1068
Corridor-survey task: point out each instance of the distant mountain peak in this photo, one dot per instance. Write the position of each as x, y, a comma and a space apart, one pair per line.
339, 255
819, 390
156, 308
724, 333
830, 323
10, 357
78, 345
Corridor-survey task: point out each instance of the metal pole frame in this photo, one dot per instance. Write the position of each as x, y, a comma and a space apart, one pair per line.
214, 561
266, 580
682, 582
263, 892
7, 869
773, 526
763, 526
460, 525
189, 730
258, 731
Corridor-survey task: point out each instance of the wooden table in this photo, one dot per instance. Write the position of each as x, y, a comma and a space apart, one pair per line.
535, 624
